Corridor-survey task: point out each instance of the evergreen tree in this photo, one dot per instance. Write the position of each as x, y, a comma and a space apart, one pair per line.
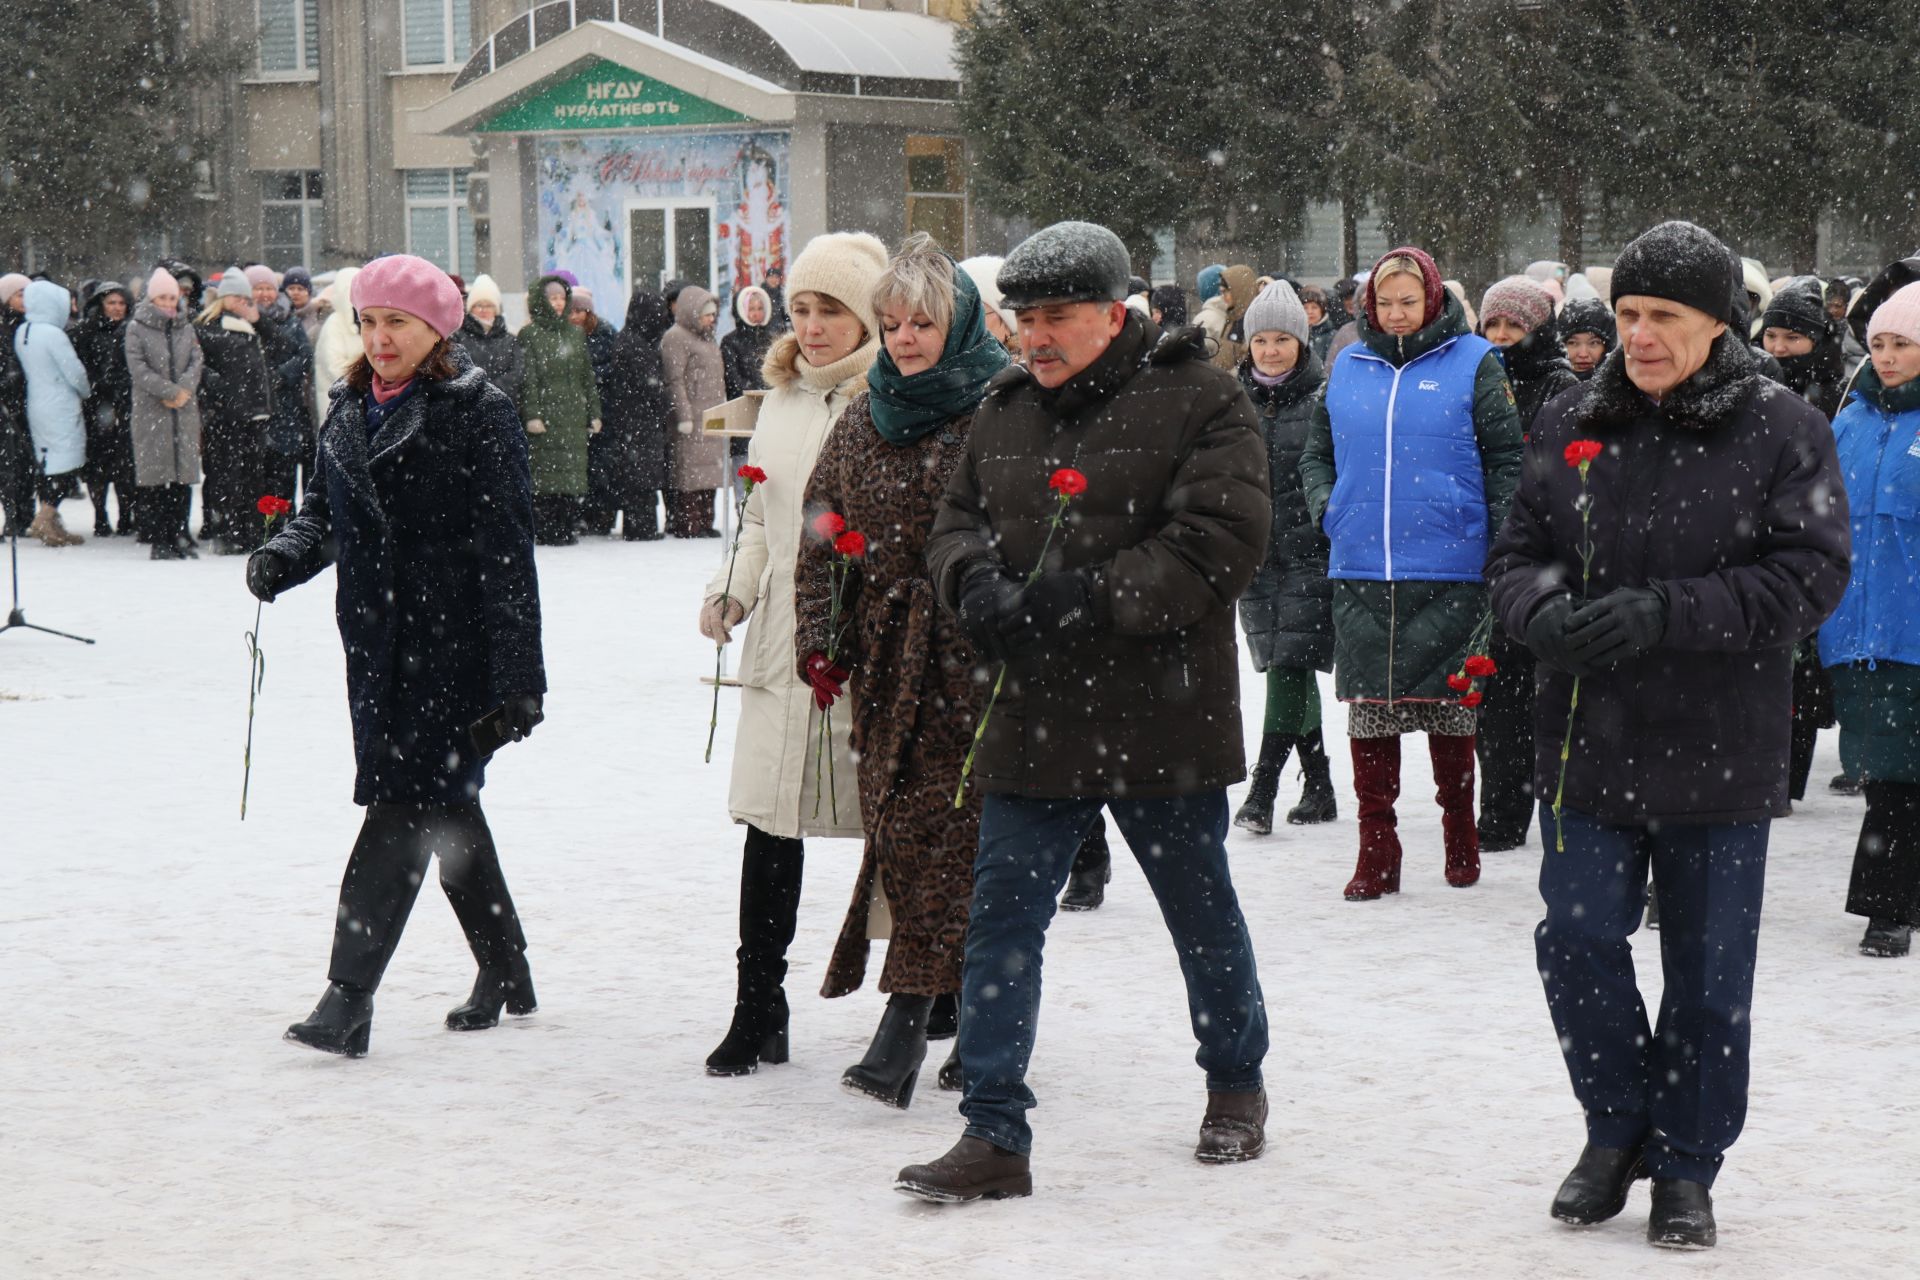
93, 148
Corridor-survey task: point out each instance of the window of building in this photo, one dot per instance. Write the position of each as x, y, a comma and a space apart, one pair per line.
438, 32
936, 191
439, 225
290, 209
289, 36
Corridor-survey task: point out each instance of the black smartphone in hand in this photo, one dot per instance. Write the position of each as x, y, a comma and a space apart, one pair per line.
490, 732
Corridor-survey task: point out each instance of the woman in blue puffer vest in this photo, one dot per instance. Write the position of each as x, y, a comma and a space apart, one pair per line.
56, 388
1412, 458
1871, 644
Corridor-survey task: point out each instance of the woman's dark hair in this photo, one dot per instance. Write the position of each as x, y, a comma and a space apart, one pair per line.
438, 366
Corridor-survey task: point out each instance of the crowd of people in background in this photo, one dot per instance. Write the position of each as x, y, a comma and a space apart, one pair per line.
1674, 494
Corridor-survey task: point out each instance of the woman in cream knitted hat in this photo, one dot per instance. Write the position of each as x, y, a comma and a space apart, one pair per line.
812, 372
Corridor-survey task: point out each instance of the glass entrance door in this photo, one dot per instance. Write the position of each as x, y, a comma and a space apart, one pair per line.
670, 240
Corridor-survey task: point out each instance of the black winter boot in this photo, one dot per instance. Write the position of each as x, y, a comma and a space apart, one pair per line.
1256, 813
944, 1022
1682, 1216
1092, 869
341, 1023
477, 890
950, 1077
770, 871
493, 990
1317, 802
892, 1065
1597, 1188
1887, 938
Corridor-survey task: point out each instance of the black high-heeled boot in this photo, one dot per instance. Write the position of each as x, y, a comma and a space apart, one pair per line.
493, 990
892, 1065
770, 872
341, 1023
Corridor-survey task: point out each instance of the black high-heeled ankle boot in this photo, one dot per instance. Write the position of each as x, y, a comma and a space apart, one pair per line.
494, 989
770, 872
341, 1023
758, 1034
892, 1065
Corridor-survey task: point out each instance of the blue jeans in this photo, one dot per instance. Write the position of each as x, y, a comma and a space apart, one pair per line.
1681, 1085
1026, 853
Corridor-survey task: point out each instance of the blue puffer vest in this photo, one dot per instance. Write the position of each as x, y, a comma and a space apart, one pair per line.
1878, 434
1409, 501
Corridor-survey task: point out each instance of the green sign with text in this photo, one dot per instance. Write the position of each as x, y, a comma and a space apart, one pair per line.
608, 96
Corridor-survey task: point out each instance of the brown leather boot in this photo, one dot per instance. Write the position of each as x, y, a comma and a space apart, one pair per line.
974, 1170
1453, 783
1235, 1128
1376, 783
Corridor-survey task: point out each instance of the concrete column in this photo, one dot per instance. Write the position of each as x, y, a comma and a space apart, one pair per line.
807, 176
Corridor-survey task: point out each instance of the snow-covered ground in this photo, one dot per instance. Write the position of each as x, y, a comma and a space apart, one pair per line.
153, 1123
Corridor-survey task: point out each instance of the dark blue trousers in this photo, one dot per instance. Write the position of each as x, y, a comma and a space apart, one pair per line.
1026, 852
1680, 1085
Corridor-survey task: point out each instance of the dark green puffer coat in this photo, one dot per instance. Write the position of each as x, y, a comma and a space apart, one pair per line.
1288, 611
1399, 641
557, 390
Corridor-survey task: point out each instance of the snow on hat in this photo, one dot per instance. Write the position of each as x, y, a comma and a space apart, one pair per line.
845, 266
1277, 308
1682, 263
984, 271
1800, 304
10, 284
258, 274
297, 276
412, 285
1521, 299
483, 289
1588, 315
161, 281
1899, 314
233, 284
1067, 262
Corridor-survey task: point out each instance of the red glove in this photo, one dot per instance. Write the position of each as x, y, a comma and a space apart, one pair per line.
829, 680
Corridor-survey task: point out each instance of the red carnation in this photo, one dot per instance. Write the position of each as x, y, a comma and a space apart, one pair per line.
1581, 452
1068, 483
851, 544
1471, 700
752, 474
1480, 665
1459, 683
272, 507
828, 525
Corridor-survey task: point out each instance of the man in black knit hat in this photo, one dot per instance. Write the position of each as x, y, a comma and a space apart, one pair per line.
1718, 536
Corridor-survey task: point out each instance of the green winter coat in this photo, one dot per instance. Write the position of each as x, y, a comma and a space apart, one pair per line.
1399, 641
558, 391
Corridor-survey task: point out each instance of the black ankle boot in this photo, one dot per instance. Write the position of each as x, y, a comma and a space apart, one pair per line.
944, 1021
1317, 803
1597, 1188
758, 1034
950, 1078
892, 1065
340, 1023
1256, 813
1886, 938
1092, 869
1682, 1216
494, 989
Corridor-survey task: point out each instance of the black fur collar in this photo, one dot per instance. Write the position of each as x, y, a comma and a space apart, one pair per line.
1704, 401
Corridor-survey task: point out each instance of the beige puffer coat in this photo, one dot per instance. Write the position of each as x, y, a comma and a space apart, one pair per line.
774, 771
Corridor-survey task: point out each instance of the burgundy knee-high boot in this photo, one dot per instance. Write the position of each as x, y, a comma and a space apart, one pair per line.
1453, 786
1376, 783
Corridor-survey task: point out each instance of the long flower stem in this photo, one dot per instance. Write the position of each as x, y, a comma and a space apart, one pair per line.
256, 674
726, 593
1573, 704
980, 729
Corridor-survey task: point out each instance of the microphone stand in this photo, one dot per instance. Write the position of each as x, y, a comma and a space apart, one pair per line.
16, 616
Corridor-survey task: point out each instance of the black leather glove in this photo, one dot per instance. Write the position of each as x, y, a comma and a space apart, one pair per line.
522, 711
1052, 612
1547, 635
987, 594
266, 570
1620, 625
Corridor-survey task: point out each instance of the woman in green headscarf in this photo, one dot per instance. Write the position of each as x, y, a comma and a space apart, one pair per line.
908, 670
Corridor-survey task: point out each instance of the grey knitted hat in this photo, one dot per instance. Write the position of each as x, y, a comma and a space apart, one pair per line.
1277, 307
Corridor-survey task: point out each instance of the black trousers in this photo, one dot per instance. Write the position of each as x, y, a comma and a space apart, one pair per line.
163, 510
1886, 862
1812, 712
19, 472
1504, 743
383, 877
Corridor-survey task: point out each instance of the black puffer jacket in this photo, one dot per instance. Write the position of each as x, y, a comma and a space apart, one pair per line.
1538, 369
496, 352
1175, 516
1287, 612
1728, 498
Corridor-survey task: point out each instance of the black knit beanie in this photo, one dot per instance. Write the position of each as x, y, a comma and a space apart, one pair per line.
1801, 305
1682, 263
